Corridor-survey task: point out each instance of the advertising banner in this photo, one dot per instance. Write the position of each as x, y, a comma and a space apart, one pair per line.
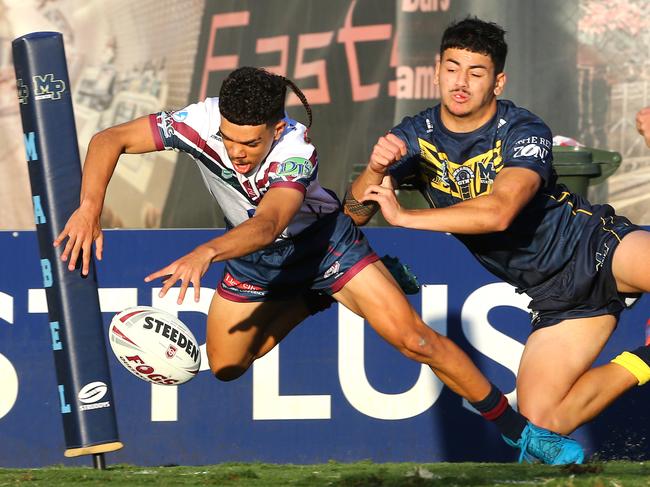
581, 65
332, 390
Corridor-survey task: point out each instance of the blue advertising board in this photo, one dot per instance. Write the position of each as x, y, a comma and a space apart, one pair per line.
332, 390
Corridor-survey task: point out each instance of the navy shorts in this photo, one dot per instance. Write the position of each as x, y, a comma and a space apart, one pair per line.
585, 287
322, 258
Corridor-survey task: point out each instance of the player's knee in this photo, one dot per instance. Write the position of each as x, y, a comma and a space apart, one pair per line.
229, 372
422, 346
226, 371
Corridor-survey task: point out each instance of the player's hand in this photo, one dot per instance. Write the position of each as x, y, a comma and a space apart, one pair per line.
384, 195
643, 124
387, 151
81, 230
189, 269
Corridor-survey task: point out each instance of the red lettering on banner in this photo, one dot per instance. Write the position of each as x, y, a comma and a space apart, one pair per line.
348, 35
314, 68
409, 82
221, 63
275, 44
417, 82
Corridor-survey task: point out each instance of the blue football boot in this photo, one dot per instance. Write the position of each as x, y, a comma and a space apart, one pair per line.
541, 445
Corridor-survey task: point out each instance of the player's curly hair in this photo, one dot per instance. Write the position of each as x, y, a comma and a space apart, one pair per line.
254, 96
476, 35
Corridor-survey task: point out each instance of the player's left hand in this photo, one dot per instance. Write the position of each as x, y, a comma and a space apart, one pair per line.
384, 195
188, 269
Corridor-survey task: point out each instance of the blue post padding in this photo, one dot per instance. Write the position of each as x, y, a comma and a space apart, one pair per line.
52, 156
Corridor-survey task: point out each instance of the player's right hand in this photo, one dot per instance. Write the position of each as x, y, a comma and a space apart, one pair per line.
81, 230
388, 150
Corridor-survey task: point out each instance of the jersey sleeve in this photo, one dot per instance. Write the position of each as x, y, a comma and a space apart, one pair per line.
529, 145
407, 166
294, 172
183, 130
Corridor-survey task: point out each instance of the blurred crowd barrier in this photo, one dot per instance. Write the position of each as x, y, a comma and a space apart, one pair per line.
582, 65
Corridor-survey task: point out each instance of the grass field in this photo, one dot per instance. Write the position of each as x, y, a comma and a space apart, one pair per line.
361, 474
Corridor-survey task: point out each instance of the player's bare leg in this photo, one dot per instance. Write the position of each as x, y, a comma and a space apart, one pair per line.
631, 265
556, 387
374, 294
238, 332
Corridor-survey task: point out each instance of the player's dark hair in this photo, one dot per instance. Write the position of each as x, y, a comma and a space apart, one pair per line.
476, 35
254, 96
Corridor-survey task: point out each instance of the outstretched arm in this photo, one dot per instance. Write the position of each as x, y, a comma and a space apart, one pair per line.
273, 214
104, 150
513, 188
388, 150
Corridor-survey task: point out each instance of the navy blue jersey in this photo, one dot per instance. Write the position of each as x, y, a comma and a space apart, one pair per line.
451, 167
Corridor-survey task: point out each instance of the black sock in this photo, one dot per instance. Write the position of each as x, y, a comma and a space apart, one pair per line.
495, 408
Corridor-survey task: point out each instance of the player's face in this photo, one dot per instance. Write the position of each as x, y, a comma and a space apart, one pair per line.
248, 145
468, 86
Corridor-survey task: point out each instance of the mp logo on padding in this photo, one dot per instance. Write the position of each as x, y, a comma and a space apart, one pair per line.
46, 87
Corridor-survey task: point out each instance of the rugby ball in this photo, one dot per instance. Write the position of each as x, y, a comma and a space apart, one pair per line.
154, 345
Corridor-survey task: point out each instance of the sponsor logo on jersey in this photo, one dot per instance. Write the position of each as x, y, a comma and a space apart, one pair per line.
46, 87
295, 167
179, 116
334, 268
231, 282
465, 180
464, 177
533, 146
534, 318
601, 255
165, 123
250, 191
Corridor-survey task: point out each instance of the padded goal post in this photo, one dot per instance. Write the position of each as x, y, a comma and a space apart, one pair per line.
84, 388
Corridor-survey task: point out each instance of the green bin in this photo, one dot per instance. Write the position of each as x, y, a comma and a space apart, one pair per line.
578, 167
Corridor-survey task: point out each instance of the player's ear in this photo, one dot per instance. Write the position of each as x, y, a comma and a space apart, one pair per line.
278, 129
500, 83
436, 77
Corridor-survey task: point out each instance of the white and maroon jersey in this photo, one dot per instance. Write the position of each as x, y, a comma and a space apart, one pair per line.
292, 162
